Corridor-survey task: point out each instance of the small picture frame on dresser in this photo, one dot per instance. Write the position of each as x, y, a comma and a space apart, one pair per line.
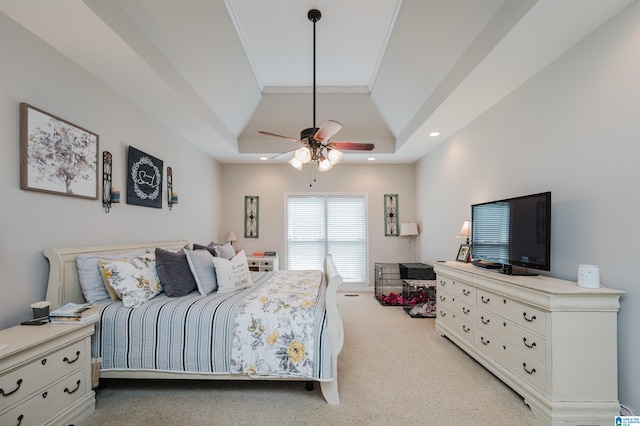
463, 253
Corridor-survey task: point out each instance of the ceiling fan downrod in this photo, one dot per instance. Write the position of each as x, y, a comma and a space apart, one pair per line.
314, 16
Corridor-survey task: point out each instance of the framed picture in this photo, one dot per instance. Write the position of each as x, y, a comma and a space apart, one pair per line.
57, 156
463, 253
251, 210
144, 179
391, 225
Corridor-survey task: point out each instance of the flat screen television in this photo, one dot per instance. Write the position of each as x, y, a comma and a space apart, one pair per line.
512, 232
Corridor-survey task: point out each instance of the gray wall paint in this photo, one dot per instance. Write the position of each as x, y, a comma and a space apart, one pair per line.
572, 129
271, 182
32, 72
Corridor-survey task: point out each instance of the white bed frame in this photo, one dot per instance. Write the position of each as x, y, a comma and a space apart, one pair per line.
64, 287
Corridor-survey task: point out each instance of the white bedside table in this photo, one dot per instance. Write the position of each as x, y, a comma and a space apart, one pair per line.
45, 374
263, 263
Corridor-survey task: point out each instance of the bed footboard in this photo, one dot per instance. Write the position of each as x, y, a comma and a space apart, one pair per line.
335, 329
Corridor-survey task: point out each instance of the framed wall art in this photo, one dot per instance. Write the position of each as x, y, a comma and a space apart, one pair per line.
57, 156
391, 225
144, 179
251, 210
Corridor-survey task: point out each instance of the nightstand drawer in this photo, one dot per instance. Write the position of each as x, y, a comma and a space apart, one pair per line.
40, 406
24, 380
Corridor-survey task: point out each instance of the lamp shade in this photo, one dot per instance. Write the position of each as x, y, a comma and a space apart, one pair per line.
465, 231
295, 163
408, 229
231, 237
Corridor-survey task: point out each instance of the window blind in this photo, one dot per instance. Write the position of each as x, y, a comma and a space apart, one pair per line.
491, 232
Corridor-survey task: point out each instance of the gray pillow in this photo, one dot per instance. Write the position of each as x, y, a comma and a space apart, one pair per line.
174, 272
226, 251
91, 282
210, 248
201, 264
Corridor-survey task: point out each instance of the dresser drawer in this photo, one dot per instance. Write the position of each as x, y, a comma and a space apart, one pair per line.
527, 368
527, 342
47, 401
18, 383
463, 309
530, 318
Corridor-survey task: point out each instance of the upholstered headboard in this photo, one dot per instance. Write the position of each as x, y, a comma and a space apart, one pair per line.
64, 285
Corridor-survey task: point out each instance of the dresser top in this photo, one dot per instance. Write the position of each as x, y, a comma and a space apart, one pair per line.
22, 337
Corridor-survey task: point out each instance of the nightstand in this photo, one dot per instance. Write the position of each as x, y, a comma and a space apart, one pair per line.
263, 263
45, 374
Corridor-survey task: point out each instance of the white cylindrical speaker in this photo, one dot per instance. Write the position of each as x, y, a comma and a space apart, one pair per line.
588, 276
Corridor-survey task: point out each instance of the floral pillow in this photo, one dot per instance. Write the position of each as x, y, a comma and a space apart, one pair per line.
232, 274
134, 280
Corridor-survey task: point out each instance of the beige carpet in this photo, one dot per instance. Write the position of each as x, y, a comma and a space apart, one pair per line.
393, 370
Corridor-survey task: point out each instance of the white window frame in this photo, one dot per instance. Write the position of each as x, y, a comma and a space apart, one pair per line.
365, 197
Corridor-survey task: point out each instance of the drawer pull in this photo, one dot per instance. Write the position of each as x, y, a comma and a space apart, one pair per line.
530, 346
465, 310
442, 298
466, 329
485, 322
487, 300
443, 283
19, 383
443, 314
45, 394
44, 361
20, 417
466, 292
524, 314
72, 391
65, 359
484, 342
524, 365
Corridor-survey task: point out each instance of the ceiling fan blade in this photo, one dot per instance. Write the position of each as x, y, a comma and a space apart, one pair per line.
328, 129
282, 153
352, 146
273, 135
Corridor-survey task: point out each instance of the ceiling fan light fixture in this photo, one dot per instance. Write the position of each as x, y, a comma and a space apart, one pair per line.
303, 155
335, 156
295, 163
324, 165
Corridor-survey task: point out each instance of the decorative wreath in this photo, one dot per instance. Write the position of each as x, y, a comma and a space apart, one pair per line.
134, 175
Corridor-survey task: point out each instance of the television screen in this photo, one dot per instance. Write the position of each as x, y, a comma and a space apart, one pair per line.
514, 231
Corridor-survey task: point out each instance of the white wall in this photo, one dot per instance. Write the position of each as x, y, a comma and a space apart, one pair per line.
572, 129
271, 182
32, 72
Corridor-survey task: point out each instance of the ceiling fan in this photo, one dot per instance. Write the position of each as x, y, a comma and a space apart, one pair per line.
317, 146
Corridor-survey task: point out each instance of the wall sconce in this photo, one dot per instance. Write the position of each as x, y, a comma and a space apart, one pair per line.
110, 194
465, 231
409, 229
172, 196
231, 237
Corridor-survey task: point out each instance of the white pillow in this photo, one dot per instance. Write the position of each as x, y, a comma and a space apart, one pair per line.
226, 251
201, 265
232, 274
135, 280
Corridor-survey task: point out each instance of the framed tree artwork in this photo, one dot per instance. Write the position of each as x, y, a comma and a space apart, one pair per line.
144, 179
57, 156
251, 210
391, 225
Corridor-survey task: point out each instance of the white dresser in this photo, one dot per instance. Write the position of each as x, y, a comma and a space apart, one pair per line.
263, 263
45, 374
552, 341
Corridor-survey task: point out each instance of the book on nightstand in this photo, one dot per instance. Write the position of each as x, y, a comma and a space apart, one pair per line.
75, 313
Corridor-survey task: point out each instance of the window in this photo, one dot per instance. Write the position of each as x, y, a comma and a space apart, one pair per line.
318, 224
491, 231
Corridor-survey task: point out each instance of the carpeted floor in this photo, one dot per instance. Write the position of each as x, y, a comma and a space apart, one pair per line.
393, 370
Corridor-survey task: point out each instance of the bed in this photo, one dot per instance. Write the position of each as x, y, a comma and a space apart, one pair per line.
201, 338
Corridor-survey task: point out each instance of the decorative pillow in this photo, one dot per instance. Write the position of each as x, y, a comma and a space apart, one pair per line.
105, 279
232, 274
134, 280
226, 251
174, 272
210, 248
201, 264
91, 282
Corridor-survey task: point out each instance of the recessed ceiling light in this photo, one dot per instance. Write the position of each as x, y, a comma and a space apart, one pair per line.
434, 134
371, 158
263, 158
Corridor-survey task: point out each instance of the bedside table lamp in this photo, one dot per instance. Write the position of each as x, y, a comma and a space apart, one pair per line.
231, 237
465, 231
409, 229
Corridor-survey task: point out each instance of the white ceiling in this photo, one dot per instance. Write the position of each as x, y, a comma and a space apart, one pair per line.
391, 71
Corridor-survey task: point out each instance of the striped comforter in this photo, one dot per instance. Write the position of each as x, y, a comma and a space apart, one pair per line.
276, 328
